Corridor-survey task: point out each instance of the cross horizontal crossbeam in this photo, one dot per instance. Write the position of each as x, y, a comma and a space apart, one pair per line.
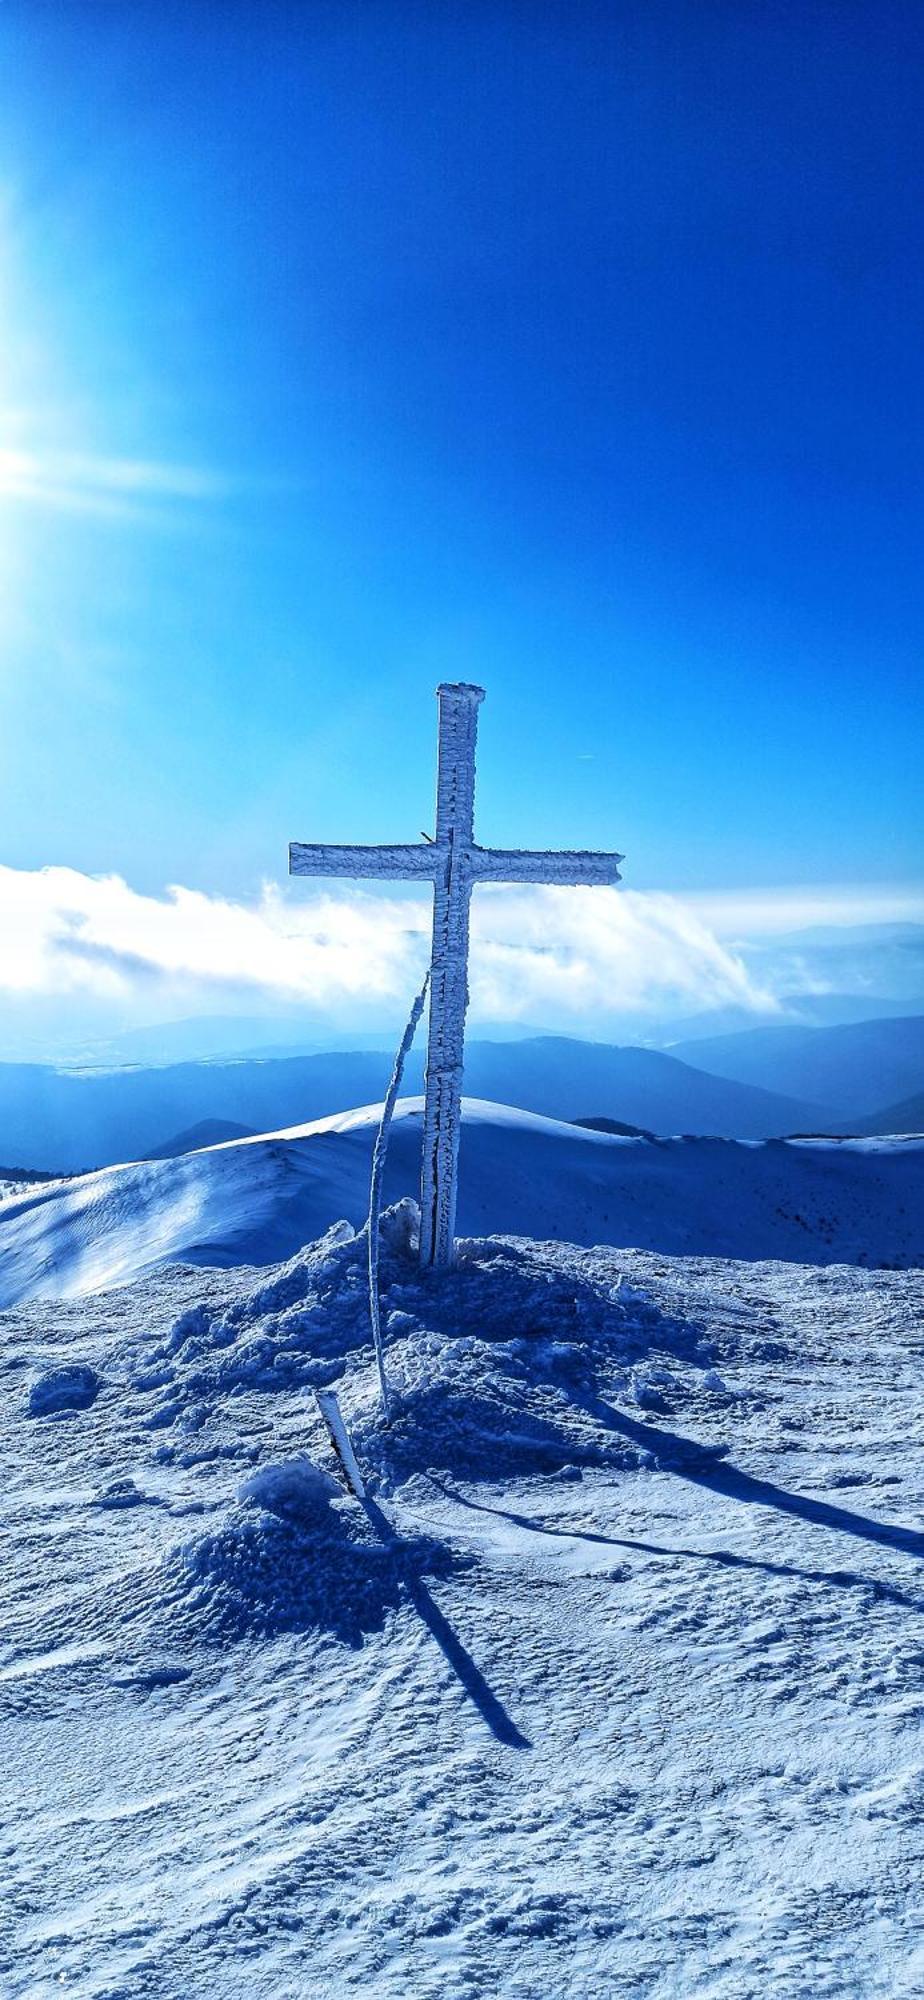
430, 860
389, 864
515, 864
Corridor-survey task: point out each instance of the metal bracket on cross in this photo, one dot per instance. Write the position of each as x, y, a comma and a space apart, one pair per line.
454, 864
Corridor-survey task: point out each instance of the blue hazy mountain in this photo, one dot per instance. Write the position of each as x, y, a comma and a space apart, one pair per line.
908, 1116
68, 1120
795, 1010
853, 1070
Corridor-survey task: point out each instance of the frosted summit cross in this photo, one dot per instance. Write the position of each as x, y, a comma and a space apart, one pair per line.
453, 863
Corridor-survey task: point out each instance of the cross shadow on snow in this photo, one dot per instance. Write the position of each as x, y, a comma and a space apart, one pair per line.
700, 1464
491, 1710
575, 1339
725, 1558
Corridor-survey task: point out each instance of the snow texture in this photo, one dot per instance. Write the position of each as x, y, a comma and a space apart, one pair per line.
297, 1489
73, 1388
628, 1698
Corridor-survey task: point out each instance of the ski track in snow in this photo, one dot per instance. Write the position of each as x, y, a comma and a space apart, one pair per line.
635, 1706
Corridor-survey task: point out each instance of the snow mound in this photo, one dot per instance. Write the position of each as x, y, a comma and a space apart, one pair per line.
262, 1573
495, 1368
296, 1488
294, 1554
71, 1388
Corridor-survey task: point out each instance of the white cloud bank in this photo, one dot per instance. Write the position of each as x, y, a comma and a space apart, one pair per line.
539, 954
767, 913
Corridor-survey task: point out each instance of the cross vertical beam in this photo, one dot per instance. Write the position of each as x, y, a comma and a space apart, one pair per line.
453, 863
452, 895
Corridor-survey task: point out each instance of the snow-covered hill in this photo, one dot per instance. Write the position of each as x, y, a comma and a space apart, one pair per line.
616, 1688
256, 1200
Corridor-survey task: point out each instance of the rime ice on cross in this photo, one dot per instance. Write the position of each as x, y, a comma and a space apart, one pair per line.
453, 863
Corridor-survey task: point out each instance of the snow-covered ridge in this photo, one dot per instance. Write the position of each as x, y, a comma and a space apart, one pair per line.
256, 1200
478, 1110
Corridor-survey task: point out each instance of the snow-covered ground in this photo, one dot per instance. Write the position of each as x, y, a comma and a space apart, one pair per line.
632, 1704
254, 1200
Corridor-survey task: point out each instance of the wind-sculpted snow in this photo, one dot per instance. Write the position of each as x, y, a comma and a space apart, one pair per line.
493, 1367
616, 1685
256, 1200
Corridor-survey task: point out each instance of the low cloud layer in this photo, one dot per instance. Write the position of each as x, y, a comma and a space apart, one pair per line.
538, 954
768, 913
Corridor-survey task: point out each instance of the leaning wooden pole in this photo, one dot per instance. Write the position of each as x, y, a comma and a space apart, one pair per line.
452, 894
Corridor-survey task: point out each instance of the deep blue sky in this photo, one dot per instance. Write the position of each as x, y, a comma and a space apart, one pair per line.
577, 351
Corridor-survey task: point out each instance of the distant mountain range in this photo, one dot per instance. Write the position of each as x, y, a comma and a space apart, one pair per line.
908, 1116
855, 1069
69, 1120
794, 1010
762, 1083
817, 977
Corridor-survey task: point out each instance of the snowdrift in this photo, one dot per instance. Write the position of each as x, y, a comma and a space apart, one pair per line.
256, 1201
